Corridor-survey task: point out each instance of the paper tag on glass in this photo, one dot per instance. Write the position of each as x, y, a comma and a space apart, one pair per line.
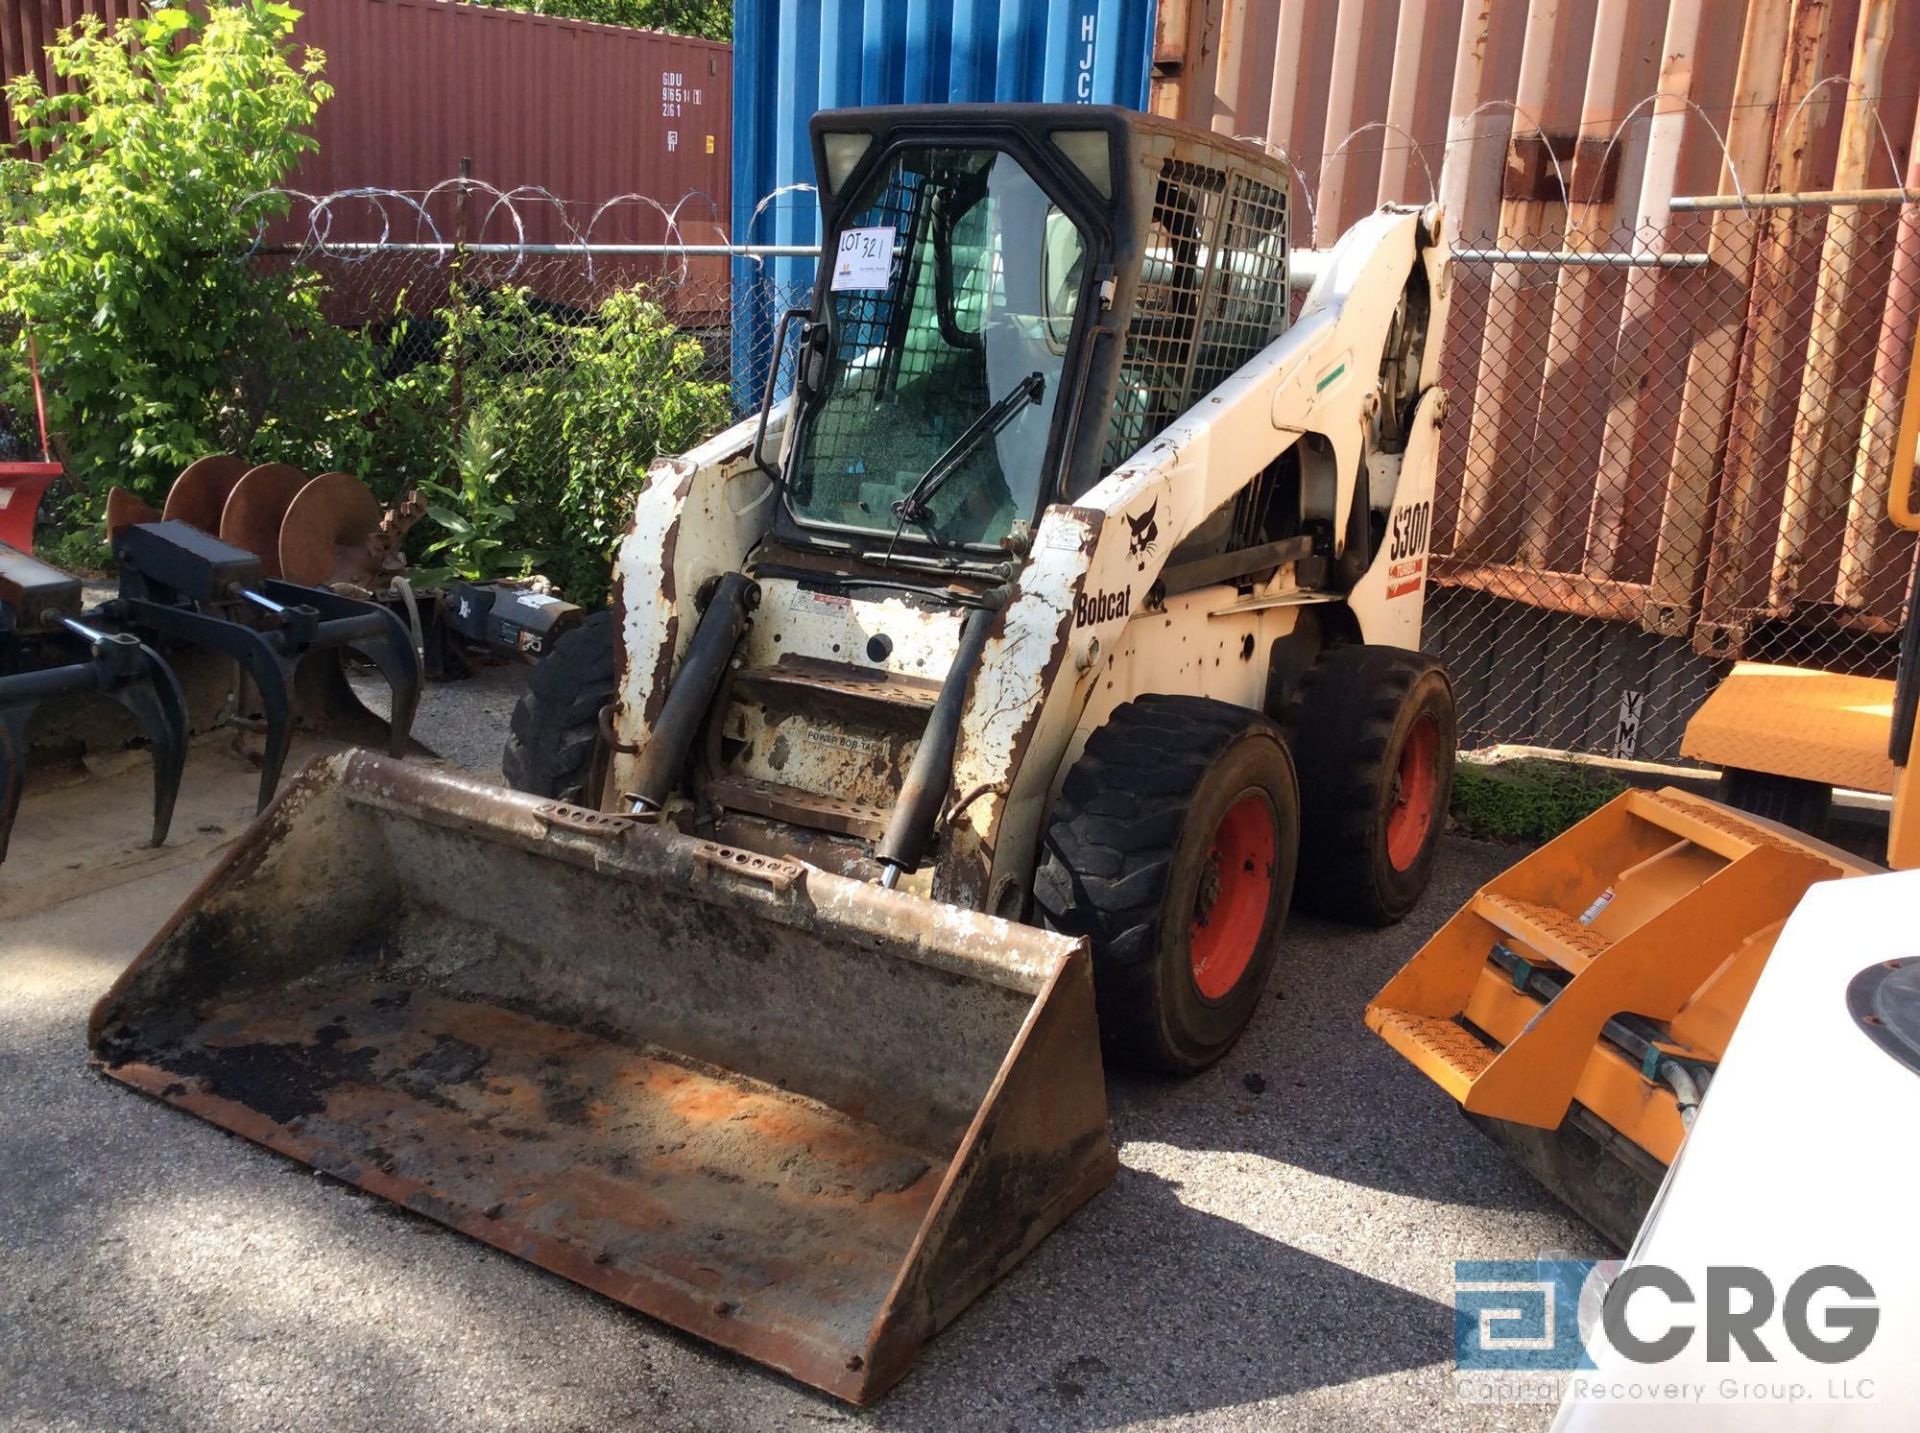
865, 259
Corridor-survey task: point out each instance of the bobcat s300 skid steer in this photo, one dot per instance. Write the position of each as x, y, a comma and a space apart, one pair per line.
976, 705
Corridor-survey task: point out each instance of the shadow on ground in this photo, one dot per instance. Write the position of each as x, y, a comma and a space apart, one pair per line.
1269, 1257
1310, 1086
1154, 1309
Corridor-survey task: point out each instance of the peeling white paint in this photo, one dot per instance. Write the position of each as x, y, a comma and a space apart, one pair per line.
705, 518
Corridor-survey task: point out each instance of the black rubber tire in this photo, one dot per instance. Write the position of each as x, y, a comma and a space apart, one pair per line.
1348, 724
1803, 805
556, 722
1124, 855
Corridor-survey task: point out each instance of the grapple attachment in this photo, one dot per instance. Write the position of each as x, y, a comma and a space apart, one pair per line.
48, 651
196, 591
801, 1116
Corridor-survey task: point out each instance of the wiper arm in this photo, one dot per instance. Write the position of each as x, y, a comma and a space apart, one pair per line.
990, 424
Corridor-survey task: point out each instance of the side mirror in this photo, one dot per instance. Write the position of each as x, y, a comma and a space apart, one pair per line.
760, 460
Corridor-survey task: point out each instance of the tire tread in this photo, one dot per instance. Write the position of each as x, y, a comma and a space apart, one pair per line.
1108, 852
556, 723
1340, 721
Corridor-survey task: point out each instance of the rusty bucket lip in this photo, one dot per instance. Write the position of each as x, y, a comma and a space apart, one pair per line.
1037, 965
1019, 957
858, 1379
656, 1296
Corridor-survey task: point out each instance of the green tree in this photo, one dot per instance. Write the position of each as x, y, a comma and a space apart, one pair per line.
634, 393
160, 337
708, 19
571, 410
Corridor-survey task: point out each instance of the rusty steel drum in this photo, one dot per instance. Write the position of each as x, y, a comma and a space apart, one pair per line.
256, 508
200, 492
798, 1115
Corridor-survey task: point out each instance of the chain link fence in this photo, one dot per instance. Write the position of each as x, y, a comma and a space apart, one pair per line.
1670, 449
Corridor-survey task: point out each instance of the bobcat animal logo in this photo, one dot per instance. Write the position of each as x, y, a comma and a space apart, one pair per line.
1146, 531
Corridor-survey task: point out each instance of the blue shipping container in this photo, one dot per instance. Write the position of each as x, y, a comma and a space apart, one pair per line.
792, 58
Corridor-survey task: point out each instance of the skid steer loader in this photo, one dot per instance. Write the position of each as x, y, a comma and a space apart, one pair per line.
1580, 1003
968, 708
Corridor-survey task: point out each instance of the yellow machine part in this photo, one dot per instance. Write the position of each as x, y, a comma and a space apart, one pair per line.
1903, 834
1570, 1004
1661, 907
1816, 726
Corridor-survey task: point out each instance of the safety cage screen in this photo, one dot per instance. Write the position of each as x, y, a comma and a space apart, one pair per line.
1212, 294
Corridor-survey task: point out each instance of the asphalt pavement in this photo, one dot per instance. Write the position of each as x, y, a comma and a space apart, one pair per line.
1277, 1251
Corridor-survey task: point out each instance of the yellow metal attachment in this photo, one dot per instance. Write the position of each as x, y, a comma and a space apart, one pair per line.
1816, 726
1661, 906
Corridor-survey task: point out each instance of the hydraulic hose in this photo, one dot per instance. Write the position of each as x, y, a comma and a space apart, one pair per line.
1628, 1032
1687, 1091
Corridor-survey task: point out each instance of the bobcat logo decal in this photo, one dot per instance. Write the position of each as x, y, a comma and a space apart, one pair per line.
1146, 531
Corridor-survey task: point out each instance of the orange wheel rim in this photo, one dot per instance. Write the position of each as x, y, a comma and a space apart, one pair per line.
1236, 891
1416, 782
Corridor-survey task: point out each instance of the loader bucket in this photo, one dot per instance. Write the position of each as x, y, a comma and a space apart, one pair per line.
798, 1115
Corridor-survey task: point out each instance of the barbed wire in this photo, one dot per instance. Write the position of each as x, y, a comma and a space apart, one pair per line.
318, 217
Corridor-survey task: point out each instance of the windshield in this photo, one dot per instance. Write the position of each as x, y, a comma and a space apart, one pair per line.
953, 284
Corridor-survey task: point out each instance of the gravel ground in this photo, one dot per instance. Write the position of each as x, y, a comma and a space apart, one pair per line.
466, 721
1276, 1253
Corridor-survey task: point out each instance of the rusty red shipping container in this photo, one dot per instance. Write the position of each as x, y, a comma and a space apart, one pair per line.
1705, 450
591, 132
27, 27
587, 113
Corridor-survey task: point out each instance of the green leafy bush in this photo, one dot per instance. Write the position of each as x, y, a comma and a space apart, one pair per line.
634, 393
577, 405
129, 240
709, 19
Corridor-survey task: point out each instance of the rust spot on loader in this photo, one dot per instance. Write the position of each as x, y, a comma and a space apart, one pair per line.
808, 1120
